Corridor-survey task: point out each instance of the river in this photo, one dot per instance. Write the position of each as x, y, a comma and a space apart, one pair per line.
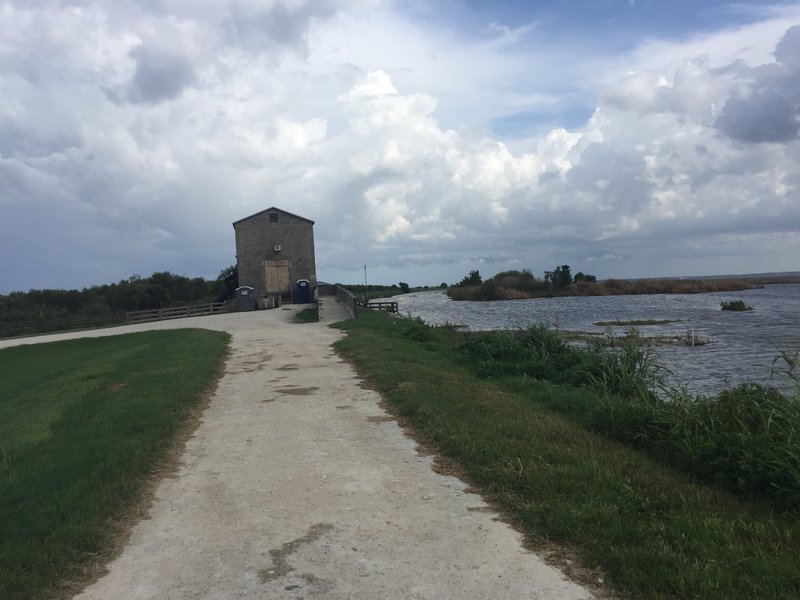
741, 348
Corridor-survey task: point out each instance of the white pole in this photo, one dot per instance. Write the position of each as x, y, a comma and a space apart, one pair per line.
366, 292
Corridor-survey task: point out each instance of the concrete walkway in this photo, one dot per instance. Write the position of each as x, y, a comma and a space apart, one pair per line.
297, 484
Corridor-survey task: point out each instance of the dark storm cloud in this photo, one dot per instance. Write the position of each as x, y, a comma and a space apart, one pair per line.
767, 109
763, 115
159, 76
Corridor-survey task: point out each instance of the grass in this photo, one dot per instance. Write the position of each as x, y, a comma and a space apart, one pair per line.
746, 439
83, 424
307, 315
735, 305
636, 322
650, 530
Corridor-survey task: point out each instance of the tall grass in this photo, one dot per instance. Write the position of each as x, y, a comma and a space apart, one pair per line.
746, 439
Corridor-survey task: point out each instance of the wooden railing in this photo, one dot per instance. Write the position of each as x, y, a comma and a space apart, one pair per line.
387, 306
175, 312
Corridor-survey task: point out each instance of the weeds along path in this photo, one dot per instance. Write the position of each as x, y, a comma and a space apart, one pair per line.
297, 484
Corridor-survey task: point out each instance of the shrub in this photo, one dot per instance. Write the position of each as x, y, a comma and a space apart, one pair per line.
735, 305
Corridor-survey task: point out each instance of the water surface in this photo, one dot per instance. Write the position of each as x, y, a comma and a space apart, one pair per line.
742, 345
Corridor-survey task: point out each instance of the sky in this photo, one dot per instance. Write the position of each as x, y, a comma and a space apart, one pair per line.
625, 138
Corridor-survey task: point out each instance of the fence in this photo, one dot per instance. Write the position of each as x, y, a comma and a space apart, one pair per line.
175, 312
387, 306
348, 301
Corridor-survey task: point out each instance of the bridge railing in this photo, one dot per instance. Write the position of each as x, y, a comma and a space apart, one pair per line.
348, 301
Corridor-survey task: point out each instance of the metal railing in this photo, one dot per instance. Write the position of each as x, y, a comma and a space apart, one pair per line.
351, 302
348, 301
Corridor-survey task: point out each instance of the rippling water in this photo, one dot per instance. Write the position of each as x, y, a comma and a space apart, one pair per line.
742, 344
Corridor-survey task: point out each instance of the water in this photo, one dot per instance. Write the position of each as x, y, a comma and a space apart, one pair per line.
741, 348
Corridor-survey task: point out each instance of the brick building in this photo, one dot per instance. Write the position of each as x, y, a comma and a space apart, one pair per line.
275, 250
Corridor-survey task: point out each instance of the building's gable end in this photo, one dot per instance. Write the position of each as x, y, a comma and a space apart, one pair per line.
273, 209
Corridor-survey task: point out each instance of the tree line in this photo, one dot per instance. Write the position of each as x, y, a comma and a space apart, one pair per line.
160, 290
513, 284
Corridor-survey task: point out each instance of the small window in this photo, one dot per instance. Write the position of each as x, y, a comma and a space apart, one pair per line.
273, 217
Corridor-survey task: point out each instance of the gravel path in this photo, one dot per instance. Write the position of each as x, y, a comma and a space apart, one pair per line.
297, 484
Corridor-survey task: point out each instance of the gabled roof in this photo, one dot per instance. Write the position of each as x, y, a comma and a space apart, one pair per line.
273, 209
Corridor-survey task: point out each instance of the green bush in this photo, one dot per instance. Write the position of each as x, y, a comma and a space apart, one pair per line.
735, 305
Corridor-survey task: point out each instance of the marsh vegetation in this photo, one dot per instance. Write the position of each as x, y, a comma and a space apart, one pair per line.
735, 305
517, 285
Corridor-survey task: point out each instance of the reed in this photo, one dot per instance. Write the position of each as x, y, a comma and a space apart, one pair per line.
746, 439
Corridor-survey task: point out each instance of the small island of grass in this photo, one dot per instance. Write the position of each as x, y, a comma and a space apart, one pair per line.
735, 305
636, 322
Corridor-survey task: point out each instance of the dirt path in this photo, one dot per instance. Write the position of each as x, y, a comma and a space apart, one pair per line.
297, 484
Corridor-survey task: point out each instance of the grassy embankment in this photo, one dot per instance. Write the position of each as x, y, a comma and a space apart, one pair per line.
83, 424
517, 285
651, 514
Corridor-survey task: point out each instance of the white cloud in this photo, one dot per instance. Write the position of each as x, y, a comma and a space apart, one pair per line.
132, 136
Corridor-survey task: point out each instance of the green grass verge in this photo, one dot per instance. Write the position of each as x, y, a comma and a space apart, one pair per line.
83, 423
307, 315
653, 531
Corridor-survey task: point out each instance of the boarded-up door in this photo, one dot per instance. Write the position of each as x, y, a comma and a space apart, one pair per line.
277, 275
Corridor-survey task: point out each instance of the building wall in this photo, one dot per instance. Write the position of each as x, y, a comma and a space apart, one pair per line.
256, 238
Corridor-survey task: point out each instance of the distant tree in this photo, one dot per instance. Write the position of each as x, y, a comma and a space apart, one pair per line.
227, 282
404, 287
560, 277
580, 276
474, 278
155, 296
443, 285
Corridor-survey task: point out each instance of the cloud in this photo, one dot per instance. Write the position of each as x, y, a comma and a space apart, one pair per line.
132, 136
159, 75
765, 106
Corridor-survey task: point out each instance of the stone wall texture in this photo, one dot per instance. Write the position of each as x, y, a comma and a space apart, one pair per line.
257, 237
